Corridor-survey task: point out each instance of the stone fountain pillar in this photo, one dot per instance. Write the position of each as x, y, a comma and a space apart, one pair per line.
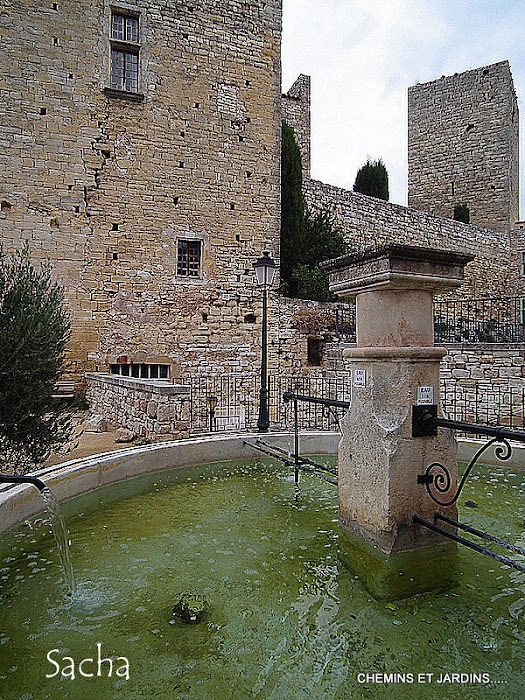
394, 367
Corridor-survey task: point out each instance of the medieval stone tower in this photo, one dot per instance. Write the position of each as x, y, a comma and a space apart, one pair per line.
463, 146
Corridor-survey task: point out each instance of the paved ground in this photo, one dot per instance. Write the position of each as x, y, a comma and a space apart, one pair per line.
89, 444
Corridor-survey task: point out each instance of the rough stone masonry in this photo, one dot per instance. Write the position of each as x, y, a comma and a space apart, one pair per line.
140, 152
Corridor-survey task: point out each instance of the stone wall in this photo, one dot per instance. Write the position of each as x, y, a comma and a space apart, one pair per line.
367, 219
484, 381
295, 107
105, 183
154, 410
463, 146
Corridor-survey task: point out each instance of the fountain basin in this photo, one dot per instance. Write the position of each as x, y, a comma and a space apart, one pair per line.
285, 617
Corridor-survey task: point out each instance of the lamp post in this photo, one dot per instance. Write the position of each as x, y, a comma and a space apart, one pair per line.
265, 270
212, 402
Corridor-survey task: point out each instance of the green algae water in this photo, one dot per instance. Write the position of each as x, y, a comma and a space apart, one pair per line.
285, 618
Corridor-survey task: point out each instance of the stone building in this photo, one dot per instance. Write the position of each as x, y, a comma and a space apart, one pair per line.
140, 154
463, 141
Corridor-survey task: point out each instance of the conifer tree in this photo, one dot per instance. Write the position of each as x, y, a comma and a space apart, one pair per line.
292, 209
372, 179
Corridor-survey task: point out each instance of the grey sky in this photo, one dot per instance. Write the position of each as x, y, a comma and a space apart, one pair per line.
362, 56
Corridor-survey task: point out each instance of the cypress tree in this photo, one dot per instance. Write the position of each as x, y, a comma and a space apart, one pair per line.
372, 179
292, 209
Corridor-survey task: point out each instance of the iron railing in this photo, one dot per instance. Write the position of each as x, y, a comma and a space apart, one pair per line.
493, 404
493, 320
231, 402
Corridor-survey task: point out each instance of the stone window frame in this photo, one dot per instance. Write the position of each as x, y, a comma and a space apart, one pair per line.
126, 48
187, 264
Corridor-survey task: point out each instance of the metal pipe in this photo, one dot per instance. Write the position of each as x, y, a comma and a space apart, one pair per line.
23, 480
471, 545
302, 460
479, 533
289, 396
494, 431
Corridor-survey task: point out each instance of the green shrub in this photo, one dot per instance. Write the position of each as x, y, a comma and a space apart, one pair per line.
34, 330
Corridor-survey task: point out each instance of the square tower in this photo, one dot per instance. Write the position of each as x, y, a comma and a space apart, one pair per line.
463, 146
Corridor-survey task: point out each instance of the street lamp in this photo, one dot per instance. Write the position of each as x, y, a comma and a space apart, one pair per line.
265, 270
212, 402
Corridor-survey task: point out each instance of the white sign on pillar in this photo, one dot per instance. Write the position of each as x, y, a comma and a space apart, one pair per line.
425, 395
360, 378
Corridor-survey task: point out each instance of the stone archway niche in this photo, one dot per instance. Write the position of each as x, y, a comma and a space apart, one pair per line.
394, 365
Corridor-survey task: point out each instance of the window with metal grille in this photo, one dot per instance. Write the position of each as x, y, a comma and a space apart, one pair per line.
189, 258
142, 371
124, 53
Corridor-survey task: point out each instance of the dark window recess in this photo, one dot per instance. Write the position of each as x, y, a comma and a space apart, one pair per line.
189, 258
470, 127
315, 352
250, 318
142, 371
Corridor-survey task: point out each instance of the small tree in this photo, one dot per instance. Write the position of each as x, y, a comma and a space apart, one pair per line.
462, 213
306, 239
372, 179
34, 330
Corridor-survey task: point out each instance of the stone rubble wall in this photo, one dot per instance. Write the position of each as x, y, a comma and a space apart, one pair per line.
463, 137
366, 219
144, 408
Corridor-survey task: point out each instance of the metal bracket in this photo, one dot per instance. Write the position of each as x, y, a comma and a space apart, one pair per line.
422, 425
425, 478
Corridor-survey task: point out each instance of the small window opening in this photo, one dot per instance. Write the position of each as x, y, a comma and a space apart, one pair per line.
315, 352
188, 258
250, 318
43, 111
5, 207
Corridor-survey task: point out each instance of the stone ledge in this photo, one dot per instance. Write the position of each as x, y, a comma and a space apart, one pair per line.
153, 386
395, 354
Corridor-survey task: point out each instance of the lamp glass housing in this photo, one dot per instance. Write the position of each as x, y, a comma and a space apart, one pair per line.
265, 270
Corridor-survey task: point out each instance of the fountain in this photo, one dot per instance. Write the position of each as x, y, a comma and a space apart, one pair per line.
394, 367
285, 617
56, 520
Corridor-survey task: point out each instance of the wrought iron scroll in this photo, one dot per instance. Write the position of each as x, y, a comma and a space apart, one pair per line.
441, 480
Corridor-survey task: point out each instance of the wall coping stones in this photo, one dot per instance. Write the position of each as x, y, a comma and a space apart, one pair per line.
152, 386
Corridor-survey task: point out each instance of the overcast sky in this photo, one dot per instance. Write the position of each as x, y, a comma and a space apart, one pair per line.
362, 56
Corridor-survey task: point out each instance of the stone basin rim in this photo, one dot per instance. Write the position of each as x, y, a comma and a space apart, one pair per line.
80, 476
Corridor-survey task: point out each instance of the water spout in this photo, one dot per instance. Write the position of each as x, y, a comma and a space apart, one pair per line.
23, 480
56, 518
